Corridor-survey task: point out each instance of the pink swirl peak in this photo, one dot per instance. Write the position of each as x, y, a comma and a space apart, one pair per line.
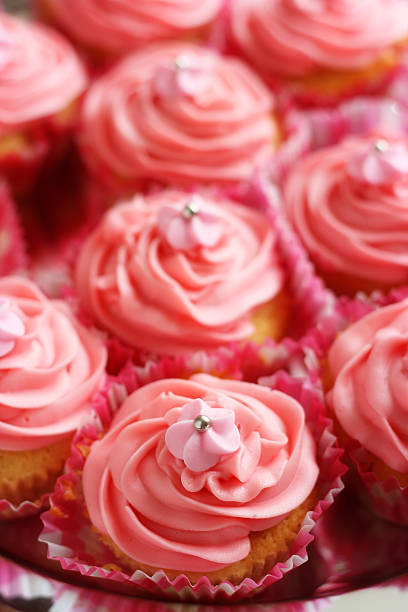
11, 327
202, 435
188, 74
382, 163
190, 226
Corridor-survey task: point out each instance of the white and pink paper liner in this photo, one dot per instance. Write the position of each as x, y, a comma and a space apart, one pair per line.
22, 584
73, 542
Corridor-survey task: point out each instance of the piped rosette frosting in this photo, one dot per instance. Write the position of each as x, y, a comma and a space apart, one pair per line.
113, 28
50, 368
349, 205
40, 74
175, 272
369, 365
177, 112
229, 458
297, 39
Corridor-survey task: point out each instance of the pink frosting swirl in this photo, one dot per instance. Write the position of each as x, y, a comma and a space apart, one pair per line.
295, 38
119, 27
40, 74
48, 377
370, 395
130, 472
348, 203
169, 300
177, 112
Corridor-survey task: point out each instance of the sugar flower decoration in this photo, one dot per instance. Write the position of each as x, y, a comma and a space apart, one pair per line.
190, 226
381, 164
202, 435
11, 328
187, 74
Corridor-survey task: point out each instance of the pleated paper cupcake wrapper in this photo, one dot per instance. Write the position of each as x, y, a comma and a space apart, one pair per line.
12, 247
387, 498
18, 583
74, 543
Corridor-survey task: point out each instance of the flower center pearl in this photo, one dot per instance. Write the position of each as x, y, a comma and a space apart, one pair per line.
190, 209
182, 62
202, 423
381, 146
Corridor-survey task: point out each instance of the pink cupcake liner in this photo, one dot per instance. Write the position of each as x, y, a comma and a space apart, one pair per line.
72, 541
19, 583
12, 247
386, 497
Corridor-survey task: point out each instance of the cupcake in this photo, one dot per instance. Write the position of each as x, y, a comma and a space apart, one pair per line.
321, 50
348, 203
112, 29
177, 113
50, 368
41, 79
368, 398
235, 463
174, 272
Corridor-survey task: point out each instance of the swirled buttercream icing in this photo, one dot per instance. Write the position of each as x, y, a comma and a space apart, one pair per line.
177, 112
115, 28
131, 471
40, 73
369, 362
296, 38
49, 373
349, 204
142, 281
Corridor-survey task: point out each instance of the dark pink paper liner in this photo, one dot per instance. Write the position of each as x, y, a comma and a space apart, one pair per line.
20, 583
68, 532
10, 512
386, 497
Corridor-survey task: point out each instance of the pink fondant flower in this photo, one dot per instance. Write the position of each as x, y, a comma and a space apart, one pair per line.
381, 164
186, 228
11, 327
202, 442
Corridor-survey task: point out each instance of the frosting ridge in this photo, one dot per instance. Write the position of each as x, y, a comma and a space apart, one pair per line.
131, 470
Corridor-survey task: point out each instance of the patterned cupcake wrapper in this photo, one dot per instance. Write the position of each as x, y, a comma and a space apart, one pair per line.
387, 497
17, 583
73, 542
